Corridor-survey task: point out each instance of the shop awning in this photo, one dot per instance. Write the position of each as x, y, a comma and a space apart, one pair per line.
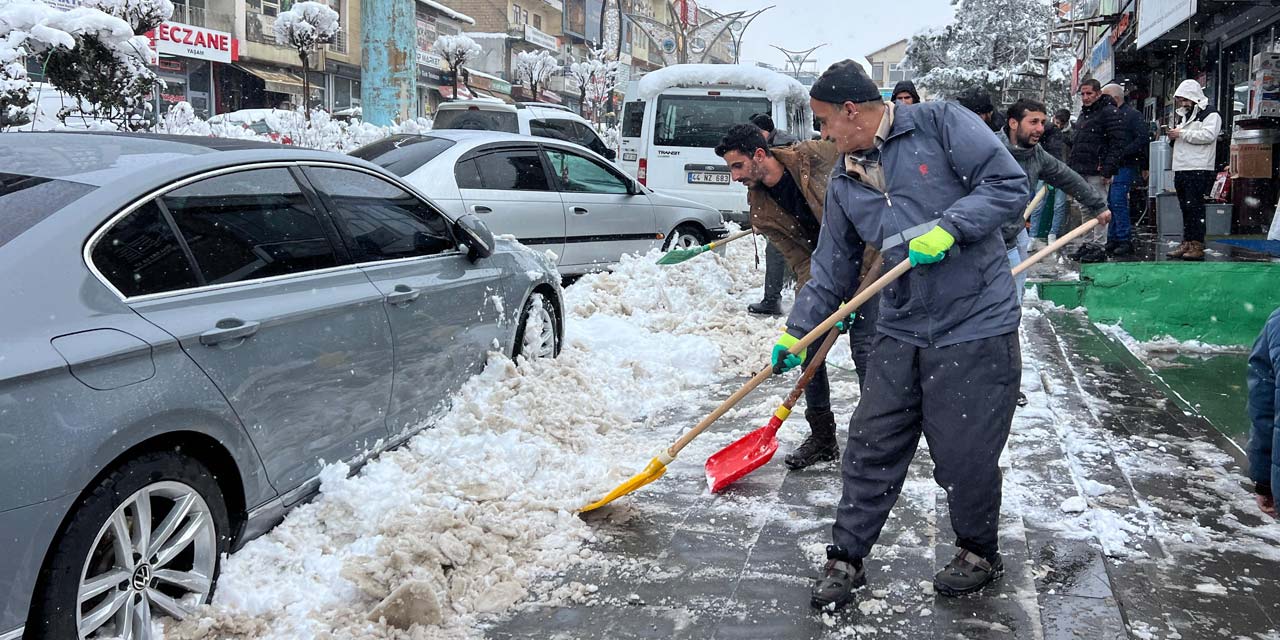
276, 81
488, 93
446, 92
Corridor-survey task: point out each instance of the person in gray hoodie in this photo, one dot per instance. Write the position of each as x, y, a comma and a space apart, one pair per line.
926, 183
1023, 130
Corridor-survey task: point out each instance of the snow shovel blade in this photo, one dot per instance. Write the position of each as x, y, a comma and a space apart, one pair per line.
746, 454
676, 256
656, 468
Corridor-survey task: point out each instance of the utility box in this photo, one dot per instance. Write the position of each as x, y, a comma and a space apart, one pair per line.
1217, 219
1168, 217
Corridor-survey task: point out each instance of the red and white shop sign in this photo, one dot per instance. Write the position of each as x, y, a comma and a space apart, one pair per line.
177, 39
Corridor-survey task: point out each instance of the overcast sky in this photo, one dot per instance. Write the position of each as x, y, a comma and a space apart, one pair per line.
852, 28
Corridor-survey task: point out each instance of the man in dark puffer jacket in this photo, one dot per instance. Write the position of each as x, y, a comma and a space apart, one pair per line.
1096, 148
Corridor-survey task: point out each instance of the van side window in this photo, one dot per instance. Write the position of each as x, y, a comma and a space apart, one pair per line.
633, 120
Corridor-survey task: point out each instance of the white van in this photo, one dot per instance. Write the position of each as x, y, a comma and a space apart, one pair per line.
674, 118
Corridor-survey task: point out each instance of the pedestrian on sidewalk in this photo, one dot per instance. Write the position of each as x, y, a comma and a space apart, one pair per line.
1099, 140
1264, 412
929, 184
905, 93
786, 189
1132, 158
1195, 157
775, 265
1057, 141
1026, 125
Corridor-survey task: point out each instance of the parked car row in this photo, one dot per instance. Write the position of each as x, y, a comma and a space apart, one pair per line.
193, 326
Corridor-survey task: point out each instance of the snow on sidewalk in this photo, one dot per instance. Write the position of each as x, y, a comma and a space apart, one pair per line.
461, 519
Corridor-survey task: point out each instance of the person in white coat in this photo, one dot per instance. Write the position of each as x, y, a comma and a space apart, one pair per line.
1195, 157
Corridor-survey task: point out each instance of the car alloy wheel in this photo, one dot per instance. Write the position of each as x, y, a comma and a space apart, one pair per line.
155, 555
538, 337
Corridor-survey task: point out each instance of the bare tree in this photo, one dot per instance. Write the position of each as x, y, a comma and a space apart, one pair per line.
304, 27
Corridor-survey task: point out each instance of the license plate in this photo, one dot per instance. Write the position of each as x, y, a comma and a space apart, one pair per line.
707, 177
629, 157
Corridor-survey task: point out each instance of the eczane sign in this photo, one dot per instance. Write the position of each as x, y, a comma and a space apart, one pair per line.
177, 39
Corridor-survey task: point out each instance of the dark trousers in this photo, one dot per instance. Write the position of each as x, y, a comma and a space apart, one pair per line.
817, 395
775, 274
962, 399
1192, 188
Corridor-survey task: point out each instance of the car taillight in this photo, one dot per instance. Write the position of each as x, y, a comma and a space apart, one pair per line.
642, 174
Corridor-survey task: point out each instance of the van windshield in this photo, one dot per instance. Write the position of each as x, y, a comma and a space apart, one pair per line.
701, 121
477, 119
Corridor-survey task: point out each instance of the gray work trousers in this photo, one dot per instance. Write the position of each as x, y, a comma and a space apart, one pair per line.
962, 399
775, 274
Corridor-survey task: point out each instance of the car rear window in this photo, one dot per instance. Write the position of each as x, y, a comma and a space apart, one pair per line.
402, 155
26, 200
477, 119
633, 120
701, 121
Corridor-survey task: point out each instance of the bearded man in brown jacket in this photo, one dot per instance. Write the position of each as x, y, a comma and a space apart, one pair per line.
786, 189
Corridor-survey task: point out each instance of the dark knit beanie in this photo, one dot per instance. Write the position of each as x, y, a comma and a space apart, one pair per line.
976, 100
845, 81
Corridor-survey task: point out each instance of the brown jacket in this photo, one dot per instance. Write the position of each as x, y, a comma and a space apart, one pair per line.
810, 164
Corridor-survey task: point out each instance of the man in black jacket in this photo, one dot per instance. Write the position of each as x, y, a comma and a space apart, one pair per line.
1132, 156
1100, 140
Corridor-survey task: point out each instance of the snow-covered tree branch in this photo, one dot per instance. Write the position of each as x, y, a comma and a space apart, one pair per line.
535, 69
596, 78
457, 51
305, 27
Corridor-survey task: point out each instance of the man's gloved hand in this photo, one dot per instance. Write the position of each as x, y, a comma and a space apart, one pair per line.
845, 325
783, 359
930, 247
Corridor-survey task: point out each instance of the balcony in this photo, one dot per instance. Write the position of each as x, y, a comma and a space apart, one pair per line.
200, 17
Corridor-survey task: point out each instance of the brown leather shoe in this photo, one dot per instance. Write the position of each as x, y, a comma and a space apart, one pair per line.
1195, 252
1178, 253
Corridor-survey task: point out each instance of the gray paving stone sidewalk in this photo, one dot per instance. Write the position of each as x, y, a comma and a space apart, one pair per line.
674, 561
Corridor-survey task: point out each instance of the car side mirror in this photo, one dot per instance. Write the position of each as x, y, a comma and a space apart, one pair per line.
610, 154
477, 236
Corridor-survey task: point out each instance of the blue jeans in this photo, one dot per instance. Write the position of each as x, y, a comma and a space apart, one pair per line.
1017, 256
1120, 230
1059, 211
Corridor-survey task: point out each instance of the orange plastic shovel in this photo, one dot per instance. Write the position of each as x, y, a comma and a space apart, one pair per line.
755, 449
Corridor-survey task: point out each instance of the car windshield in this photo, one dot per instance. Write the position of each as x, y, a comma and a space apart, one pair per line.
477, 119
701, 121
26, 200
403, 155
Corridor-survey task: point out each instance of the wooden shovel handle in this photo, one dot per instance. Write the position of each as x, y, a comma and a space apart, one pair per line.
821, 330
723, 241
1057, 244
1035, 202
818, 358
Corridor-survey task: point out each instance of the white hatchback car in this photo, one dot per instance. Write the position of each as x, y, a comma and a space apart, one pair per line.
550, 195
529, 118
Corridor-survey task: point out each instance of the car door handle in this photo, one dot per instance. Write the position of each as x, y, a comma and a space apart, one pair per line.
582, 211
403, 294
479, 208
229, 329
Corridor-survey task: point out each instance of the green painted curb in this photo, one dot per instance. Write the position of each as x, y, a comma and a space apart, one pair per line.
1222, 303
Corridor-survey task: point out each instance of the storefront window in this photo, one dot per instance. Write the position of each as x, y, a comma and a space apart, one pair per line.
346, 93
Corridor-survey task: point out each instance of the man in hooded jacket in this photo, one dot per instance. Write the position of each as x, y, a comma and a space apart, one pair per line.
905, 93
1195, 157
1097, 145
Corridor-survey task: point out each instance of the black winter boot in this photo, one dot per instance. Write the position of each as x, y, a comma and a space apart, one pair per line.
821, 444
765, 308
966, 573
842, 575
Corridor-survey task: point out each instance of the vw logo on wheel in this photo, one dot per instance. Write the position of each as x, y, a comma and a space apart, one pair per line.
141, 577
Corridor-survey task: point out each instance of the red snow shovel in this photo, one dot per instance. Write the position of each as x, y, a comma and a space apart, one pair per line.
755, 449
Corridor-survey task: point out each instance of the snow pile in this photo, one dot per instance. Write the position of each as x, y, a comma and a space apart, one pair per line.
777, 86
288, 127
1163, 344
462, 519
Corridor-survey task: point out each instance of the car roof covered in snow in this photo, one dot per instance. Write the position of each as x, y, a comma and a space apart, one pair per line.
101, 158
777, 86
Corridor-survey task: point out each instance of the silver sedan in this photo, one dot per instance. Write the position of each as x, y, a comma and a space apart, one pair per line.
192, 327
549, 194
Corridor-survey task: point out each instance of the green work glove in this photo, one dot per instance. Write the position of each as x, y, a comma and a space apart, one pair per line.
783, 359
930, 247
845, 325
